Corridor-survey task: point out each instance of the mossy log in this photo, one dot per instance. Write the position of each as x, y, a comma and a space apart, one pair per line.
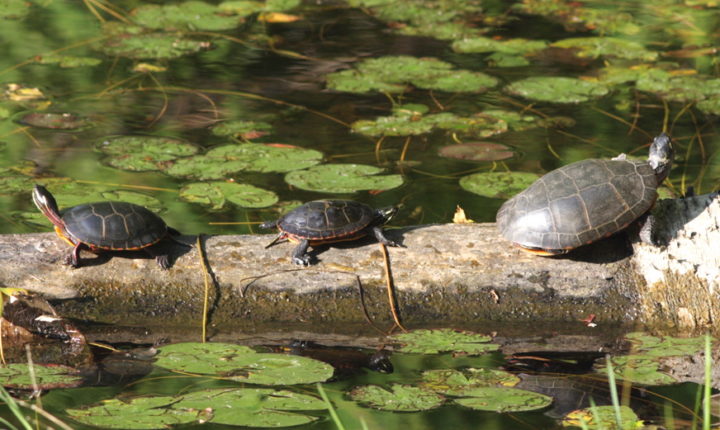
452, 274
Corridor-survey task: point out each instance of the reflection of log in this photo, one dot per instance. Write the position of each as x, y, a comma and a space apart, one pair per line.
460, 275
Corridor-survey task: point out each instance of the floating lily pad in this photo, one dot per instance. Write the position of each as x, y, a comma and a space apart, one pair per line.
501, 59
191, 16
392, 74
17, 375
246, 129
557, 89
405, 122
666, 346
638, 368
678, 87
240, 363
216, 194
575, 17
595, 47
69, 193
477, 151
602, 418
342, 178
444, 340
69, 61
250, 157
399, 398
155, 45
508, 46
14, 9
503, 400
141, 153
136, 413
55, 121
454, 382
497, 185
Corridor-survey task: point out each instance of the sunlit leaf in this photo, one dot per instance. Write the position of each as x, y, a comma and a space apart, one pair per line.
142, 153
557, 89
503, 400
444, 340
342, 178
602, 418
498, 185
400, 398
240, 363
216, 194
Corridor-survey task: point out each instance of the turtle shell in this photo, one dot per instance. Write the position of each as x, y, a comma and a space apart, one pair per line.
327, 220
114, 225
578, 204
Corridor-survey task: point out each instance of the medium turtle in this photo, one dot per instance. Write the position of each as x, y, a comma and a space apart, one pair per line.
585, 201
328, 221
113, 226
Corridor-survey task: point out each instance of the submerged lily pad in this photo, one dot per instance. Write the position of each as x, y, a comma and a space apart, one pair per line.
503, 400
17, 375
602, 418
455, 382
498, 185
477, 151
240, 363
154, 45
638, 368
342, 178
595, 47
216, 194
392, 74
444, 340
55, 121
557, 89
141, 153
191, 16
250, 157
508, 46
399, 398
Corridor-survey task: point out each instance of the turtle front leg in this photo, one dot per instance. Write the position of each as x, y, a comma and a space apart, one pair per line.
73, 259
380, 236
300, 255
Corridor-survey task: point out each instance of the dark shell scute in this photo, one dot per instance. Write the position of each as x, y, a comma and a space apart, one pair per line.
578, 204
324, 219
114, 225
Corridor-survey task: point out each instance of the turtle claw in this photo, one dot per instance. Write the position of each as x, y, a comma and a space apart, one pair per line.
163, 261
302, 261
71, 261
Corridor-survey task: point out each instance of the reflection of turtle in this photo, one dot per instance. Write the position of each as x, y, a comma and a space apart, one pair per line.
328, 221
346, 361
584, 201
115, 226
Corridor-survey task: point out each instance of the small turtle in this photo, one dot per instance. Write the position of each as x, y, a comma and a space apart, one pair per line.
585, 201
113, 226
328, 221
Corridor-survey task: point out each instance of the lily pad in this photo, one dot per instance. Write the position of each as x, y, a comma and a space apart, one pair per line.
455, 382
477, 151
498, 185
399, 398
678, 87
69, 193
444, 340
250, 157
595, 47
14, 9
14, 181
342, 178
638, 368
602, 418
666, 346
577, 18
54, 121
503, 400
508, 46
216, 194
557, 89
393, 73
135, 413
17, 375
190, 16
240, 363
143, 153
154, 45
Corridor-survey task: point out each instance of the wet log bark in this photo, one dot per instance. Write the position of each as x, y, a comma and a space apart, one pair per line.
451, 274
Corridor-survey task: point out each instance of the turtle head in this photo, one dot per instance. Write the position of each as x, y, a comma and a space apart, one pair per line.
661, 156
384, 215
47, 205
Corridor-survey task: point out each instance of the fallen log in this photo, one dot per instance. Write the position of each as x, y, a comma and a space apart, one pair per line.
453, 274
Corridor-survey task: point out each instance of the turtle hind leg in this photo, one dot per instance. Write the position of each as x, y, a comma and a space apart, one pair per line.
380, 236
300, 255
162, 258
73, 259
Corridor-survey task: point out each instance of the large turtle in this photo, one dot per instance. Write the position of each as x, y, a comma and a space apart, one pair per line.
115, 226
327, 221
584, 201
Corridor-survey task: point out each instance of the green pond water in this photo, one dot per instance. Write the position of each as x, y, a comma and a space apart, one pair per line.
221, 115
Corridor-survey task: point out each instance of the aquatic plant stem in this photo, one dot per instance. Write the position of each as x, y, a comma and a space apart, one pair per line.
333, 415
707, 405
203, 263
390, 289
613, 390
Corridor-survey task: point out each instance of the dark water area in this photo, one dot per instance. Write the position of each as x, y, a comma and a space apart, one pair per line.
273, 70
